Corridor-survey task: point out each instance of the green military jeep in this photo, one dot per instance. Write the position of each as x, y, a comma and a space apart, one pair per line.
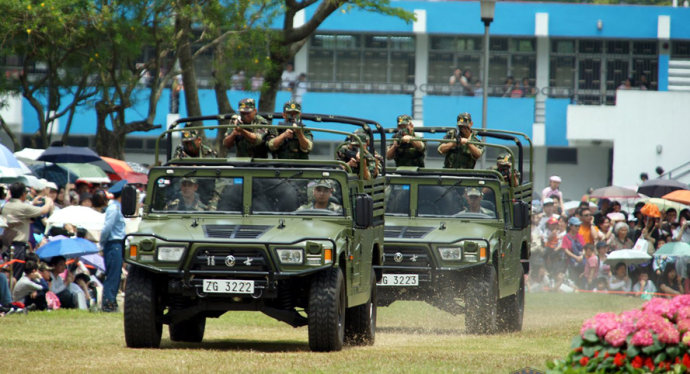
247, 238
459, 239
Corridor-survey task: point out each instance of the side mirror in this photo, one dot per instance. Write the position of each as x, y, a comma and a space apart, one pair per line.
521, 217
364, 211
129, 201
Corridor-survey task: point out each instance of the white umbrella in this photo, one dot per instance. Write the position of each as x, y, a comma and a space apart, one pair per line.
569, 206
29, 154
79, 216
628, 256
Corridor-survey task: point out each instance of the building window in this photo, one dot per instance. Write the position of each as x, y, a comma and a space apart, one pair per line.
680, 49
590, 71
356, 60
509, 57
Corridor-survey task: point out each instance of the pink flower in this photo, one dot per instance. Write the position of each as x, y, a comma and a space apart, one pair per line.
669, 335
652, 321
660, 307
642, 338
684, 325
683, 313
606, 324
616, 337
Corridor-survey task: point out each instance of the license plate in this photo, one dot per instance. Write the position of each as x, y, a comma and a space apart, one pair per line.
228, 286
399, 280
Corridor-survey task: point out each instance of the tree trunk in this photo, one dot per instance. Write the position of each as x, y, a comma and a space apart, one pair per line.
184, 52
221, 89
279, 57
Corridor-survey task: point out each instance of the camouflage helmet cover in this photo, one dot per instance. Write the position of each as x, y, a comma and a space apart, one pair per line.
504, 159
292, 106
464, 119
189, 135
361, 134
247, 105
404, 119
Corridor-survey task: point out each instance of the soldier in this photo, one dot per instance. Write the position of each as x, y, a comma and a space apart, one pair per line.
458, 153
294, 143
474, 200
191, 145
322, 194
404, 150
249, 142
350, 153
504, 164
188, 199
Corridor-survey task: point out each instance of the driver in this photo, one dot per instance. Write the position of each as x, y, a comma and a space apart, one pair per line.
188, 199
474, 199
322, 194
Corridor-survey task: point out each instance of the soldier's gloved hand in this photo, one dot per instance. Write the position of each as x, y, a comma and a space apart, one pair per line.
289, 134
406, 139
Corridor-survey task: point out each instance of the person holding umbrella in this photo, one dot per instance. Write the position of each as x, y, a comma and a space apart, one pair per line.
111, 242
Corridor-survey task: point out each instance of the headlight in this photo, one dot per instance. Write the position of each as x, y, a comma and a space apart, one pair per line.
450, 253
290, 256
170, 254
475, 250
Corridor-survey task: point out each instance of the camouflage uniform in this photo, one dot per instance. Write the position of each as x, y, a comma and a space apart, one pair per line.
258, 148
290, 148
179, 204
333, 207
503, 165
346, 150
406, 154
460, 157
190, 136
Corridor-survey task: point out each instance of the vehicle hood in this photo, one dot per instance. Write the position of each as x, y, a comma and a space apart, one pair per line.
242, 229
437, 230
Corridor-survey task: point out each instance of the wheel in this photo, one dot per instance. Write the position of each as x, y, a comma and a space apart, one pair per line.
360, 321
190, 331
327, 311
143, 310
512, 308
481, 302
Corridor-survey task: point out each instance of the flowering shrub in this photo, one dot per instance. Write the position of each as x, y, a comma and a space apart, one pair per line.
654, 339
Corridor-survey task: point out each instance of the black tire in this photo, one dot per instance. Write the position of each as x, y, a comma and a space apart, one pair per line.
512, 308
190, 331
360, 321
143, 310
481, 302
327, 303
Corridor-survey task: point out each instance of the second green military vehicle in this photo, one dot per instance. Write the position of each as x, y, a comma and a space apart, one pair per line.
459, 239
255, 240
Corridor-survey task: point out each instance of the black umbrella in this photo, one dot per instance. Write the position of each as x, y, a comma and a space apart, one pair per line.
68, 154
660, 187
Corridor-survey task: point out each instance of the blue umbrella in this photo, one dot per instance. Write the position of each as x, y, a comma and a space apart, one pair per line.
67, 248
54, 173
68, 154
8, 159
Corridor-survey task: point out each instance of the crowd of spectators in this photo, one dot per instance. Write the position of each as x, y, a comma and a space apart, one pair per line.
28, 282
570, 247
464, 84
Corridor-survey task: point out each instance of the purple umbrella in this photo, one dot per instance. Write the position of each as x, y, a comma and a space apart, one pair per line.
95, 260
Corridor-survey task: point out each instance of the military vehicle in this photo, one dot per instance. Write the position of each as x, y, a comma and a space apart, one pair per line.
248, 240
459, 239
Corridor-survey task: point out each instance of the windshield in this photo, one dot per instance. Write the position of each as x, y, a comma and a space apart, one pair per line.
300, 196
398, 199
197, 194
456, 201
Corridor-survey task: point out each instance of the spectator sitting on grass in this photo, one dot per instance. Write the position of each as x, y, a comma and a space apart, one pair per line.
29, 289
620, 281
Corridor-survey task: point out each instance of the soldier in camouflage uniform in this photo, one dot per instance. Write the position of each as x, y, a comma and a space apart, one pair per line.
350, 152
504, 164
458, 153
293, 143
192, 146
322, 193
249, 142
404, 150
188, 199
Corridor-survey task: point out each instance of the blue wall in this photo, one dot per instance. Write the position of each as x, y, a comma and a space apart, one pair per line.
502, 112
556, 121
515, 18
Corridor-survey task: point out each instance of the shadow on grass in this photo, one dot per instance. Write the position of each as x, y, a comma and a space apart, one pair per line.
419, 330
240, 345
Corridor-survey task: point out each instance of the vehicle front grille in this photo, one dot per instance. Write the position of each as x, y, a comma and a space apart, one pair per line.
407, 232
235, 231
233, 259
406, 256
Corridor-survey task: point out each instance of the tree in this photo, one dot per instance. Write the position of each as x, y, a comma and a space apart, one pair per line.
125, 29
285, 43
47, 41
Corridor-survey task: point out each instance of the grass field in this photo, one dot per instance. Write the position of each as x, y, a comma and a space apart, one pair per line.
412, 337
